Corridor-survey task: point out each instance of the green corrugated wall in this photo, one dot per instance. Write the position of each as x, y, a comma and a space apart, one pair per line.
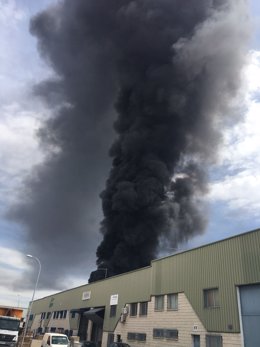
224, 264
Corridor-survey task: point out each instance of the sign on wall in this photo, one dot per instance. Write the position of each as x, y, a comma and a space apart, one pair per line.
114, 299
86, 295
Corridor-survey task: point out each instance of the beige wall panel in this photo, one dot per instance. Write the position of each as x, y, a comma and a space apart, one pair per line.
184, 319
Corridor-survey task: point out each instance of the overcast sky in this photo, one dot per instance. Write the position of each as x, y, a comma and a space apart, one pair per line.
234, 197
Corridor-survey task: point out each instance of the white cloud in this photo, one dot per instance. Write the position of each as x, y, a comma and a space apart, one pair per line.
12, 265
19, 146
18, 142
241, 191
21, 113
10, 13
240, 187
12, 258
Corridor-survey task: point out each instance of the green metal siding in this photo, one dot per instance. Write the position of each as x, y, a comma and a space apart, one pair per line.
224, 264
130, 287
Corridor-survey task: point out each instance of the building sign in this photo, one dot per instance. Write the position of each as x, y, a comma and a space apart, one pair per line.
86, 295
114, 299
195, 327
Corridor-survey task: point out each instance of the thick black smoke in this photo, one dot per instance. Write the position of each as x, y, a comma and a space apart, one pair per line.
170, 70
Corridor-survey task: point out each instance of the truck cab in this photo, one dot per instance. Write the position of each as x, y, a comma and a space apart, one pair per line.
9, 328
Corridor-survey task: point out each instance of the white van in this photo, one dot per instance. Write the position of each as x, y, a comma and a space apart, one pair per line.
55, 340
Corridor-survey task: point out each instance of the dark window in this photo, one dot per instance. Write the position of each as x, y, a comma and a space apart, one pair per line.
159, 303
64, 314
73, 314
211, 298
214, 341
133, 309
158, 333
143, 308
131, 336
171, 334
59, 340
48, 315
140, 337
113, 310
172, 302
53, 329
136, 336
31, 317
54, 314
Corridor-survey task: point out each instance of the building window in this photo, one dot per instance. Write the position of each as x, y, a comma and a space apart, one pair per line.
140, 337
43, 315
31, 317
48, 315
54, 314
113, 310
133, 310
53, 329
211, 298
73, 314
158, 333
171, 334
131, 336
172, 302
62, 314
214, 341
136, 336
143, 308
159, 303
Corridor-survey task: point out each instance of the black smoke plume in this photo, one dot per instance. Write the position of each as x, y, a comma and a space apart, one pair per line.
170, 71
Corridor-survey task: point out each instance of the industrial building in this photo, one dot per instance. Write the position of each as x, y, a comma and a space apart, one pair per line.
208, 296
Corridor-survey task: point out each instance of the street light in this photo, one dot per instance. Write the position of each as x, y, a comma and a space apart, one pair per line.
35, 287
104, 269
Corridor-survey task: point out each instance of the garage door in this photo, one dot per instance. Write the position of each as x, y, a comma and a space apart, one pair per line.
250, 311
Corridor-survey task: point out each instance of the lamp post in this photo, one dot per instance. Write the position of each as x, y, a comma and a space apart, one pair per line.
104, 269
35, 287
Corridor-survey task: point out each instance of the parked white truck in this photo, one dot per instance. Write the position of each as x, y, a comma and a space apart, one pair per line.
10, 319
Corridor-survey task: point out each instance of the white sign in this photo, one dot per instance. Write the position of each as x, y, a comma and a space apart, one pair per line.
114, 299
86, 295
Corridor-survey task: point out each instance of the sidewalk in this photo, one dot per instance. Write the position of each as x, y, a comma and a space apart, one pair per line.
36, 343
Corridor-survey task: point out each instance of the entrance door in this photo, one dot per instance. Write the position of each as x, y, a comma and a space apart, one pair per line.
196, 340
250, 312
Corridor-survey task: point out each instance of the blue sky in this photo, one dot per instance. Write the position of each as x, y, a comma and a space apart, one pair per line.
233, 200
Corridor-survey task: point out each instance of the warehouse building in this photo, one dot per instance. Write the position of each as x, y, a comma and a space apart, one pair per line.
205, 297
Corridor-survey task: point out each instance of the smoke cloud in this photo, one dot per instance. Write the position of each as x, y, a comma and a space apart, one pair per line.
167, 73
